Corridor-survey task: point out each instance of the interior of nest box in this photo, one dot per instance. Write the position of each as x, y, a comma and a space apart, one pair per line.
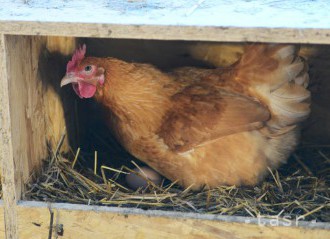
48, 120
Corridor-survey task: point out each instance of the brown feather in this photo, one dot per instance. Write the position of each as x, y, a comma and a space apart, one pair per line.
202, 113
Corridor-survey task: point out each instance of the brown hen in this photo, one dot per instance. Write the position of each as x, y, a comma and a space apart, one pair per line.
202, 127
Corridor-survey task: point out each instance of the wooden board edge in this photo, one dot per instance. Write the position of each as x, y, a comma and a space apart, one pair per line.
168, 32
2, 221
169, 214
82, 221
10, 189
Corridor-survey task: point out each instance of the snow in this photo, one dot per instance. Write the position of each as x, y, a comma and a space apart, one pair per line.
230, 13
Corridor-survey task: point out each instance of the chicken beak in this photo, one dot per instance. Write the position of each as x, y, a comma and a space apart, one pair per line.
69, 78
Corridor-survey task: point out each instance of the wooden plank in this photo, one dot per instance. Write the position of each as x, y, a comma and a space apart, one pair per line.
26, 107
168, 32
81, 221
2, 221
10, 188
22, 138
212, 20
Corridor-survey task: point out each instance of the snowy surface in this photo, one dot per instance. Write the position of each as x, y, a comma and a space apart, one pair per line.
224, 13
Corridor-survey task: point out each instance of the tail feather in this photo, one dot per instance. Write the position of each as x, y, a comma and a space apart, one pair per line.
292, 109
286, 72
280, 77
302, 80
281, 52
293, 92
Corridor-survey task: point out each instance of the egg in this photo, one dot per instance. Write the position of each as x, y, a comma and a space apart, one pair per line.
135, 181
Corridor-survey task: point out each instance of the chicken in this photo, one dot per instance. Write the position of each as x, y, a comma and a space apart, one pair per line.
202, 127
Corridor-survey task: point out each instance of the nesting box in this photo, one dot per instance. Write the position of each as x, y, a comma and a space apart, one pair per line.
32, 110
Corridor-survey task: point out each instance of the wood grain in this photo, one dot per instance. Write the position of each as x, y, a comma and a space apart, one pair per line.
161, 32
79, 221
11, 186
23, 130
2, 221
26, 108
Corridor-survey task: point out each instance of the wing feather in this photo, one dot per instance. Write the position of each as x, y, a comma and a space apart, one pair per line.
202, 113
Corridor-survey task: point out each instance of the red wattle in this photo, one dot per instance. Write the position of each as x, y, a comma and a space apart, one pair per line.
84, 90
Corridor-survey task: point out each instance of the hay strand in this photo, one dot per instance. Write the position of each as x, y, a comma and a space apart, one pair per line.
299, 189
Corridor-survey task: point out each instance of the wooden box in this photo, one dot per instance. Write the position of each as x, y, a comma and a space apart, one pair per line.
27, 28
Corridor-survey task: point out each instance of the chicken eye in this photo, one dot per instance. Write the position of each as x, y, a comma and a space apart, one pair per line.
88, 68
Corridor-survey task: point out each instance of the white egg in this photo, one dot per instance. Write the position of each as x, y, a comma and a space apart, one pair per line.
135, 181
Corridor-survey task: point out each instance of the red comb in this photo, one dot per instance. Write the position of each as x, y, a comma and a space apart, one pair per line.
76, 58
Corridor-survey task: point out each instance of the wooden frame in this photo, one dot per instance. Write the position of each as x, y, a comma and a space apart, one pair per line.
21, 112
80, 221
226, 34
22, 124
